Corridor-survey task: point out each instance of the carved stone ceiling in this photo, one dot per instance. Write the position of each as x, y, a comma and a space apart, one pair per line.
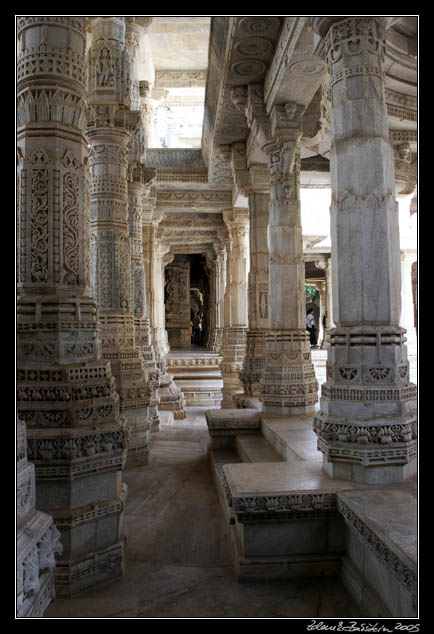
287, 56
179, 42
284, 54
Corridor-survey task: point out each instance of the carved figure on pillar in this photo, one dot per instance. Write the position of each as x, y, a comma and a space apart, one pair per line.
366, 425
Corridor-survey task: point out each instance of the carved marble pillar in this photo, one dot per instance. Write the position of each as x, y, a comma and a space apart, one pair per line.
366, 425
258, 291
37, 540
326, 308
109, 130
289, 385
66, 391
146, 343
408, 257
139, 184
249, 166
160, 339
177, 302
171, 397
234, 336
218, 292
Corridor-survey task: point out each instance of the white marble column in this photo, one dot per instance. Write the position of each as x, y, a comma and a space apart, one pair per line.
408, 257
161, 343
139, 188
216, 335
146, 342
289, 385
111, 125
254, 182
234, 335
326, 308
66, 390
367, 424
170, 396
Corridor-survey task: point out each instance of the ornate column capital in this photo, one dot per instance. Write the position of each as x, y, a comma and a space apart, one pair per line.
258, 119
138, 173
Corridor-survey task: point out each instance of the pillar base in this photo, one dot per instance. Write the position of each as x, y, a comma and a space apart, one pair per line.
277, 410
367, 423
138, 430
254, 362
371, 474
233, 352
289, 385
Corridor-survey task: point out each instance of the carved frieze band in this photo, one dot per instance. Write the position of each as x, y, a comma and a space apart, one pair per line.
194, 198
402, 570
180, 78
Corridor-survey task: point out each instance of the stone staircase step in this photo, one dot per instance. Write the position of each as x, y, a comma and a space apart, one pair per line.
198, 376
292, 437
255, 448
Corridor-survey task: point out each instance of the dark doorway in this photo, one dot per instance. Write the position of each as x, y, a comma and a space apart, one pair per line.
199, 299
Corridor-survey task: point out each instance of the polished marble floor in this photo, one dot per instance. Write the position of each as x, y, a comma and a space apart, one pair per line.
178, 562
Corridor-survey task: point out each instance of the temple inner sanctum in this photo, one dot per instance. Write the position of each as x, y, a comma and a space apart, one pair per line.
216, 317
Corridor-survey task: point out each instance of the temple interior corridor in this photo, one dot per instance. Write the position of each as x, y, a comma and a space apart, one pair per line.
216, 317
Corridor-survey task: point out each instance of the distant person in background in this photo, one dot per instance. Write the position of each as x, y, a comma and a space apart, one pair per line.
197, 329
311, 328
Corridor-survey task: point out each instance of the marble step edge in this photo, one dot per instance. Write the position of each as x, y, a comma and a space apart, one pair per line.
255, 448
381, 544
218, 458
230, 422
198, 386
264, 567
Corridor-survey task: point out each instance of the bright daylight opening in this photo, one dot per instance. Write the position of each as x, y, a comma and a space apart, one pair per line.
177, 121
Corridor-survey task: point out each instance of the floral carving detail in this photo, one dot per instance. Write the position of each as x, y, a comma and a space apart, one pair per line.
70, 228
380, 373
39, 230
348, 373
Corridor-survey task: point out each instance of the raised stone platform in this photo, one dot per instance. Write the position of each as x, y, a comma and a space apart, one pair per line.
380, 564
254, 448
287, 518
